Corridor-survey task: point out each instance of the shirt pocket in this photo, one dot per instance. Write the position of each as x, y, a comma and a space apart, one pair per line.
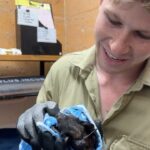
127, 143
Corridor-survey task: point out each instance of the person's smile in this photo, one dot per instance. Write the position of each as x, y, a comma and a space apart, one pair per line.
111, 59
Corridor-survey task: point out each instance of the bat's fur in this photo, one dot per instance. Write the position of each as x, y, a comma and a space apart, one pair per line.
78, 134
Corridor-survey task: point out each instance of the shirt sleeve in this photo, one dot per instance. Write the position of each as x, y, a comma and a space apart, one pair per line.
49, 90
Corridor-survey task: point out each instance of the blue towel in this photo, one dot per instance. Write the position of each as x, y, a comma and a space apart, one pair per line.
78, 111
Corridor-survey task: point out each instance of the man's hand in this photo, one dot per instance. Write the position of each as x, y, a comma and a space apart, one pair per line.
27, 122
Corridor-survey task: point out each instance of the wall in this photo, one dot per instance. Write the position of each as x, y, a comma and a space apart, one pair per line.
79, 18
74, 21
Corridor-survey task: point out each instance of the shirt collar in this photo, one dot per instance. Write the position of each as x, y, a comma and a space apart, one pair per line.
145, 75
83, 65
86, 61
143, 79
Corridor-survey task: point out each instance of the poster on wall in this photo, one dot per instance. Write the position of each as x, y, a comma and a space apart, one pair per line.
36, 31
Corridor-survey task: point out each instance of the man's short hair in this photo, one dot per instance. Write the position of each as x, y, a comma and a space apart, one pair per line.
145, 3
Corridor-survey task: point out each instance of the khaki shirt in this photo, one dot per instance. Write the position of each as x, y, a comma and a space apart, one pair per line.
72, 80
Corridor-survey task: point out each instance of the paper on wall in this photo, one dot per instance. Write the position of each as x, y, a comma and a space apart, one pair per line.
27, 16
46, 35
39, 18
45, 18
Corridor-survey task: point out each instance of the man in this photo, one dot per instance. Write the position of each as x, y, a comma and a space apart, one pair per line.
112, 79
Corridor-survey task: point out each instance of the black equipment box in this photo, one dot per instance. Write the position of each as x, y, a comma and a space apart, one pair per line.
27, 42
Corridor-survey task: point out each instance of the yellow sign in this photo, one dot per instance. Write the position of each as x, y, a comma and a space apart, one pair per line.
22, 2
32, 4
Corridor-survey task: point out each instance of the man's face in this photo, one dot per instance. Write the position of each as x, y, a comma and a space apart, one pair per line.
122, 36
